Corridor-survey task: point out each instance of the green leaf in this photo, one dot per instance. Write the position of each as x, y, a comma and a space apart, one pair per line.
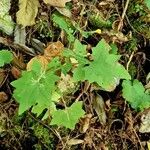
114, 48
104, 69
63, 24
79, 73
35, 87
28, 10
134, 93
79, 48
6, 23
5, 57
69, 116
147, 3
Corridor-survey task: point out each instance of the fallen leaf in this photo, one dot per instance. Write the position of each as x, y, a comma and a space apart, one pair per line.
15, 72
3, 97
145, 122
28, 10
54, 49
6, 23
74, 141
99, 107
85, 123
148, 145
18, 61
64, 11
57, 3
37, 45
2, 76
20, 35
41, 59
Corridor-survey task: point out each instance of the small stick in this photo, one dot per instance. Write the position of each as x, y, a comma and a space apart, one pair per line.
130, 59
123, 14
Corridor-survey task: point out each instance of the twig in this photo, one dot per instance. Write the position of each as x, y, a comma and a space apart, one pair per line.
123, 14
130, 59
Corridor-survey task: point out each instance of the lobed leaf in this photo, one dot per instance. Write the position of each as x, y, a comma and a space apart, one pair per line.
134, 93
63, 24
69, 116
105, 69
5, 57
35, 87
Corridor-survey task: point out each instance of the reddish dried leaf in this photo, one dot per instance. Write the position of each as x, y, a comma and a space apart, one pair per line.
54, 49
15, 72
41, 59
3, 97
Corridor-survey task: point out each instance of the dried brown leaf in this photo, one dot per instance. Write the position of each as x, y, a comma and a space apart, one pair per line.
54, 49
75, 141
3, 97
2, 76
15, 72
85, 123
41, 59
99, 107
57, 3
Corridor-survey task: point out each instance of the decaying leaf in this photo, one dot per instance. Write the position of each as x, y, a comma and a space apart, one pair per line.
6, 23
99, 107
145, 122
148, 145
16, 72
64, 11
28, 10
85, 123
2, 76
57, 3
3, 97
66, 84
18, 61
20, 35
41, 59
54, 49
37, 45
75, 141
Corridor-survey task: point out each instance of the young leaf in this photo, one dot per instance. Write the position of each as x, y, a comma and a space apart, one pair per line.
63, 24
79, 52
147, 3
134, 93
104, 69
35, 87
68, 117
79, 48
6, 23
28, 10
5, 57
